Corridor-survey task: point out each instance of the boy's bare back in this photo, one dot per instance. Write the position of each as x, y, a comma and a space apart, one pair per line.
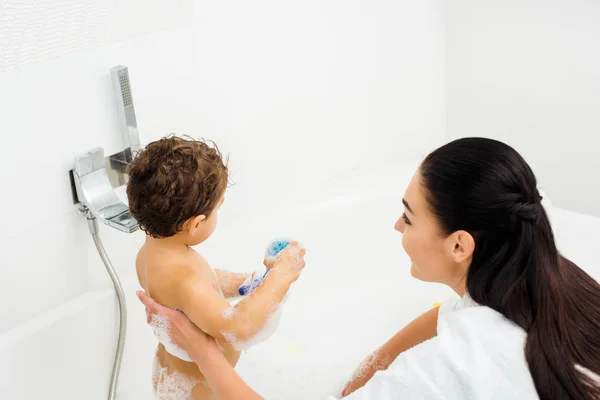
161, 272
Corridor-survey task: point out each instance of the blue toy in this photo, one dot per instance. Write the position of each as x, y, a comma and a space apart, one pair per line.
252, 282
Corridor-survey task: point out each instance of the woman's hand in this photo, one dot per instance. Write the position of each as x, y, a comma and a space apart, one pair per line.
290, 262
365, 371
184, 333
203, 349
419, 330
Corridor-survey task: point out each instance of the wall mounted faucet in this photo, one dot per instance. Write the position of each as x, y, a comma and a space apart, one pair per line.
95, 192
95, 176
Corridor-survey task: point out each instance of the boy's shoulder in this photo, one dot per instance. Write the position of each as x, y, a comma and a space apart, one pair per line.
166, 272
168, 261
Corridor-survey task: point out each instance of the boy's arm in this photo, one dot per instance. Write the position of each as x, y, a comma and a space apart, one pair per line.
210, 312
230, 282
205, 306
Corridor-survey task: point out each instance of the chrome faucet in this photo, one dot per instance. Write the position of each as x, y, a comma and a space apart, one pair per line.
95, 177
95, 192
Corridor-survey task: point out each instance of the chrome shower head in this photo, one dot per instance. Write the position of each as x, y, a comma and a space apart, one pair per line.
126, 110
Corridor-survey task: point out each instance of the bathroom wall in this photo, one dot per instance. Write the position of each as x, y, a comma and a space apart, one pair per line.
57, 102
296, 93
528, 72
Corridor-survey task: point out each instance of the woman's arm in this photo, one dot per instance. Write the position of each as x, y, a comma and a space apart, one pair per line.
203, 349
221, 377
418, 331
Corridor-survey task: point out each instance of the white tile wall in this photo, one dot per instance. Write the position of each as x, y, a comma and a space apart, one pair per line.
527, 72
53, 111
297, 93
38, 30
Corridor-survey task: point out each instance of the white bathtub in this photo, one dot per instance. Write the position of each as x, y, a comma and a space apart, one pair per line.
355, 293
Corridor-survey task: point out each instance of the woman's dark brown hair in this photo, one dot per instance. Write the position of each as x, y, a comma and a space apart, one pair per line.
172, 180
485, 187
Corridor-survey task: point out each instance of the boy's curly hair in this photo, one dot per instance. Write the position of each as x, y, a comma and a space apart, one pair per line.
172, 180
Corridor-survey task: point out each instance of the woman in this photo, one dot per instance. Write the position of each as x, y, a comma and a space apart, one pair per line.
527, 324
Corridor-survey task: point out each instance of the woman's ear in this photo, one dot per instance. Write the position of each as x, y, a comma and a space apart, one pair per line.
192, 225
463, 246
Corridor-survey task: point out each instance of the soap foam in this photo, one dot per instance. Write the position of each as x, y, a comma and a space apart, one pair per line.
373, 363
229, 313
269, 328
173, 386
160, 325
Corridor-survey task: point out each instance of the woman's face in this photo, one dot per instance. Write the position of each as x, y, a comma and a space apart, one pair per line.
432, 254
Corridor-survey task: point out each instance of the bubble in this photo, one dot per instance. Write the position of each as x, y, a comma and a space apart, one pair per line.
221, 348
269, 328
229, 313
173, 386
160, 325
232, 339
373, 363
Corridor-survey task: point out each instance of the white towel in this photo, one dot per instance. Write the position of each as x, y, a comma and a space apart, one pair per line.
477, 355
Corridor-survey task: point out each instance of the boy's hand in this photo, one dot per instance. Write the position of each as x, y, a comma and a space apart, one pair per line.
289, 262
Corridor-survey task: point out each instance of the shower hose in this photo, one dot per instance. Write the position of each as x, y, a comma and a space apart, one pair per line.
114, 378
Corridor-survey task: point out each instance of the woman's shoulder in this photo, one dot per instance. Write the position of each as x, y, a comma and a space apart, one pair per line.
472, 331
477, 354
458, 315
